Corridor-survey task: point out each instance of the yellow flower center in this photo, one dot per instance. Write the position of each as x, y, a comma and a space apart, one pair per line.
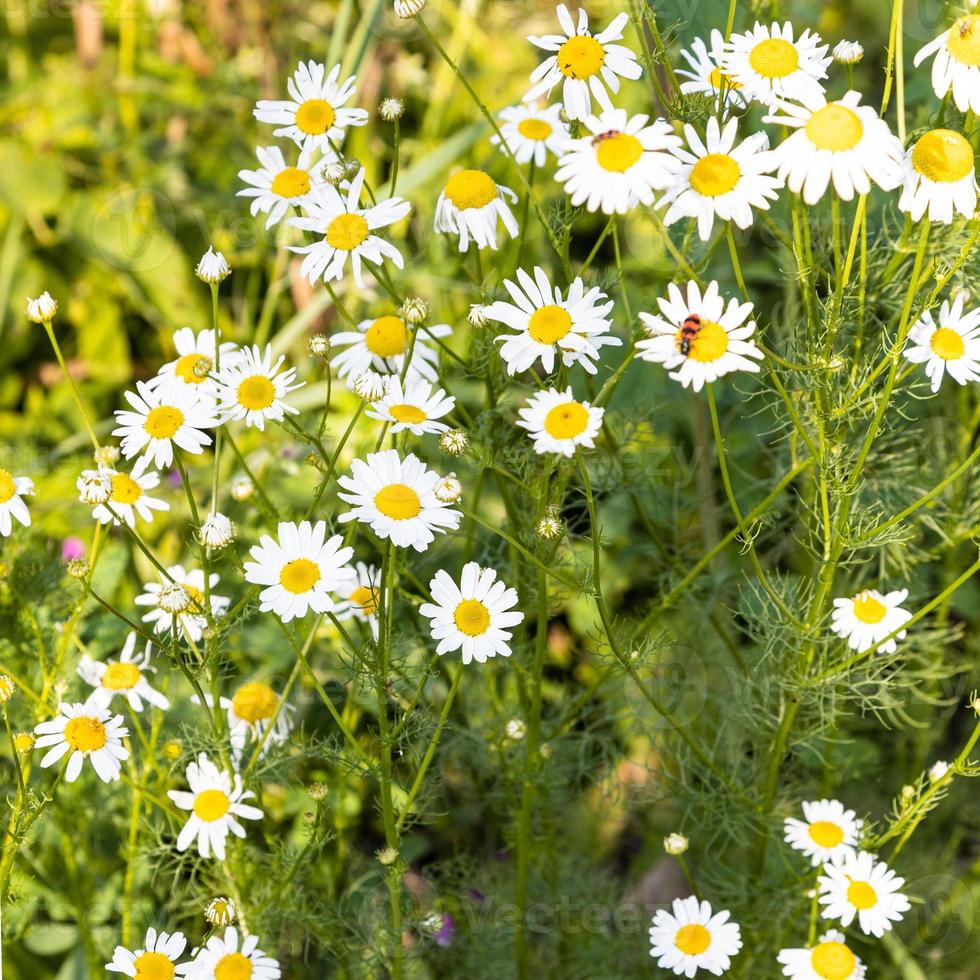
254, 702
299, 575
715, 174
774, 58
315, 116
835, 128
717, 76
471, 189
256, 392
825, 834
85, 734
566, 421
534, 129
472, 617
233, 966
386, 337
549, 324
861, 895
347, 231
291, 182
397, 501
692, 939
195, 595
708, 344
7, 486
121, 676
868, 609
943, 156
963, 40
411, 414
23, 742
832, 961
125, 490
580, 57
366, 599
211, 805
163, 422
193, 368
618, 152
947, 344
153, 966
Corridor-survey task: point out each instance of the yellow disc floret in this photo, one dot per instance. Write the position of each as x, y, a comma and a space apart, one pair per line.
398, 501
835, 128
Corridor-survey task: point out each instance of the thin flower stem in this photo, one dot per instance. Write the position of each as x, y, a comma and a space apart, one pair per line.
49, 329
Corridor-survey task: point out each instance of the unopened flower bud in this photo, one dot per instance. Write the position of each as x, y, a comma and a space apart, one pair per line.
515, 729
387, 856
106, 456
213, 267
478, 315
675, 844
391, 109
42, 309
6, 688
454, 442
94, 486
370, 386
77, 568
317, 792
23, 741
221, 911
217, 531
333, 171
174, 598
848, 52
448, 489
408, 8
319, 345
938, 771
414, 310
242, 488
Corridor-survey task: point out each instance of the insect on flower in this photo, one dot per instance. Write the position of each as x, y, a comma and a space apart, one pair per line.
689, 330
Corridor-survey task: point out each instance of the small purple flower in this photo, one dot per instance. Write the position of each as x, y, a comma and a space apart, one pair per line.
173, 478
72, 549
444, 936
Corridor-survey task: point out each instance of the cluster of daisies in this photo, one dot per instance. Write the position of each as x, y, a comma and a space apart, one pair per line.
851, 886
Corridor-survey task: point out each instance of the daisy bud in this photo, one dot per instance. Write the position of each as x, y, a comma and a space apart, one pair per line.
352, 167
550, 525
221, 911
675, 844
23, 741
848, 52
333, 171
309, 818
319, 345
77, 568
172, 749
908, 794
408, 8
213, 267
391, 109
317, 791
414, 310
387, 856
975, 702
106, 456
94, 486
174, 599
370, 386
938, 771
42, 309
242, 488
217, 532
478, 315
6, 688
515, 729
448, 489
454, 442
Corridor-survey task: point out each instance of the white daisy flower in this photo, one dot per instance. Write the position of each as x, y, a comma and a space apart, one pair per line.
299, 570
530, 132
693, 939
396, 497
953, 346
12, 490
346, 230
840, 141
195, 361
584, 64
314, 115
830, 959
869, 617
768, 64
382, 344
253, 388
215, 800
125, 677
276, 186
182, 600
621, 164
939, 177
576, 327
156, 959
716, 177
957, 63
827, 833
362, 600
706, 76
223, 959
469, 206
163, 417
415, 406
699, 336
86, 731
473, 616
128, 495
558, 423
863, 888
